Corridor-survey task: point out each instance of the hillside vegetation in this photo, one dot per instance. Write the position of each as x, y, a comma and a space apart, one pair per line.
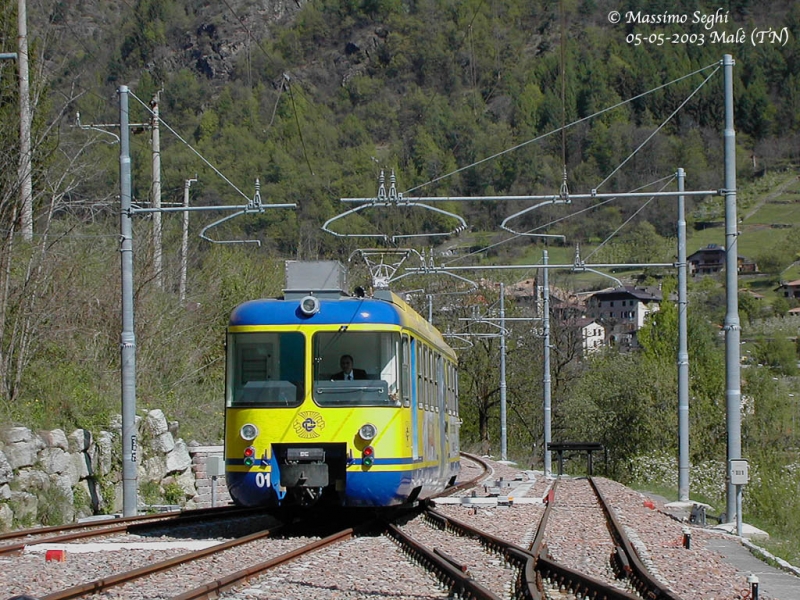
313, 98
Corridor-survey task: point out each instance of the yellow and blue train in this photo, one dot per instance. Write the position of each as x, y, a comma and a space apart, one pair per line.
298, 435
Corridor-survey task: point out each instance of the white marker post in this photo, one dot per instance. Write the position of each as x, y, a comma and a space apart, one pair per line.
739, 475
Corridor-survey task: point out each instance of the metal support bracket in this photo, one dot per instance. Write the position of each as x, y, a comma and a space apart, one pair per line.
393, 198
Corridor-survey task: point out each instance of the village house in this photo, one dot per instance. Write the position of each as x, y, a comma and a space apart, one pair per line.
711, 259
593, 334
790, 289
623, 311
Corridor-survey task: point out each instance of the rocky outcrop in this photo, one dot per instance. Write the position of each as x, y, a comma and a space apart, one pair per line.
49, 477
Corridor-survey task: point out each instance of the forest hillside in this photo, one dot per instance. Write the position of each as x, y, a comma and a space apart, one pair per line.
314, 98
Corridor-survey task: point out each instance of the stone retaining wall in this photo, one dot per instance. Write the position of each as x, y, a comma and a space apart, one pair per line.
49, 477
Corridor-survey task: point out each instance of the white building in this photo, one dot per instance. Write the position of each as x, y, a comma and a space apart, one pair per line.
593, 334
624, 310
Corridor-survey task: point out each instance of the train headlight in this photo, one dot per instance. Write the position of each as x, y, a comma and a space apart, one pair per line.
309, 305
249, 456
367, 456
367, 432
248, 432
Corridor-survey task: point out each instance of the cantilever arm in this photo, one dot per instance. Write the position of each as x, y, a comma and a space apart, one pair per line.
405, 203
253, 206
220, 222
554, 200
350, 212
435, 272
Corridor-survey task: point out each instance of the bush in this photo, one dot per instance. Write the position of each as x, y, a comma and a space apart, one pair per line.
174, 494
150, 493
707, 479
52, 507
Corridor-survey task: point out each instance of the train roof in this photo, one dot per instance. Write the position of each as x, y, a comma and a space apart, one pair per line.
386, 308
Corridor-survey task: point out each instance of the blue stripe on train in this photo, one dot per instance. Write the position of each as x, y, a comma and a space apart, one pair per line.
362, 488
239, 462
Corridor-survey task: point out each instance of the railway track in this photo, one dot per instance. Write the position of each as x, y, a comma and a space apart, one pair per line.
180, 566
16, 541
611, 567
524, 546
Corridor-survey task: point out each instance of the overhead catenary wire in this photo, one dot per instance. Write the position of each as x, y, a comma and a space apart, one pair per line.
628, 220
249, 33
659, 128
573, 124
631, 155
715, 66
285, 79
555, 221
190, 147
299, 129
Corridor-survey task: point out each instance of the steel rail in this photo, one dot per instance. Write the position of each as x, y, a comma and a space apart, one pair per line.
100, 585
532, 565
518, 557
124, 524
460, 584
112, 519
579, 584
625, 560
530, 585
465, 485
643, 581
213, 588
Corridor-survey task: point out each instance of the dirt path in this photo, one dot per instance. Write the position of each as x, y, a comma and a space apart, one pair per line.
777, 191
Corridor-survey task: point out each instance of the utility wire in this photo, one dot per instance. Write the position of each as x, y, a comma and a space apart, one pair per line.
188, 145
628, 220
553, 222
299, 130
467, 32
659, 128
286, 79
716, 65
574, 123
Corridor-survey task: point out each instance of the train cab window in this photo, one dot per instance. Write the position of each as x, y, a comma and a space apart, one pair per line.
376, 362
265, 369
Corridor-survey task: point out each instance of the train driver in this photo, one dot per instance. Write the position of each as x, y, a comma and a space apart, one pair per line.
348, 372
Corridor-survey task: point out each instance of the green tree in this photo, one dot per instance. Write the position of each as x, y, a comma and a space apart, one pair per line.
780, 307
778, 354
623, 402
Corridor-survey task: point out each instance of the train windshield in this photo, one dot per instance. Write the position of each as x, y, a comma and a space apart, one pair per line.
356, 368
265, 369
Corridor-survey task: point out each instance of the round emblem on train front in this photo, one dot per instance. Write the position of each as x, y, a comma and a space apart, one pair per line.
308, 424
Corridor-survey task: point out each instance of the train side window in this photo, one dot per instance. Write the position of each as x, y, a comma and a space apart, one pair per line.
448, 393
405, 380
420, 377
455, 390
428, 377
438, 384
389, 362
431, 381
453, 378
